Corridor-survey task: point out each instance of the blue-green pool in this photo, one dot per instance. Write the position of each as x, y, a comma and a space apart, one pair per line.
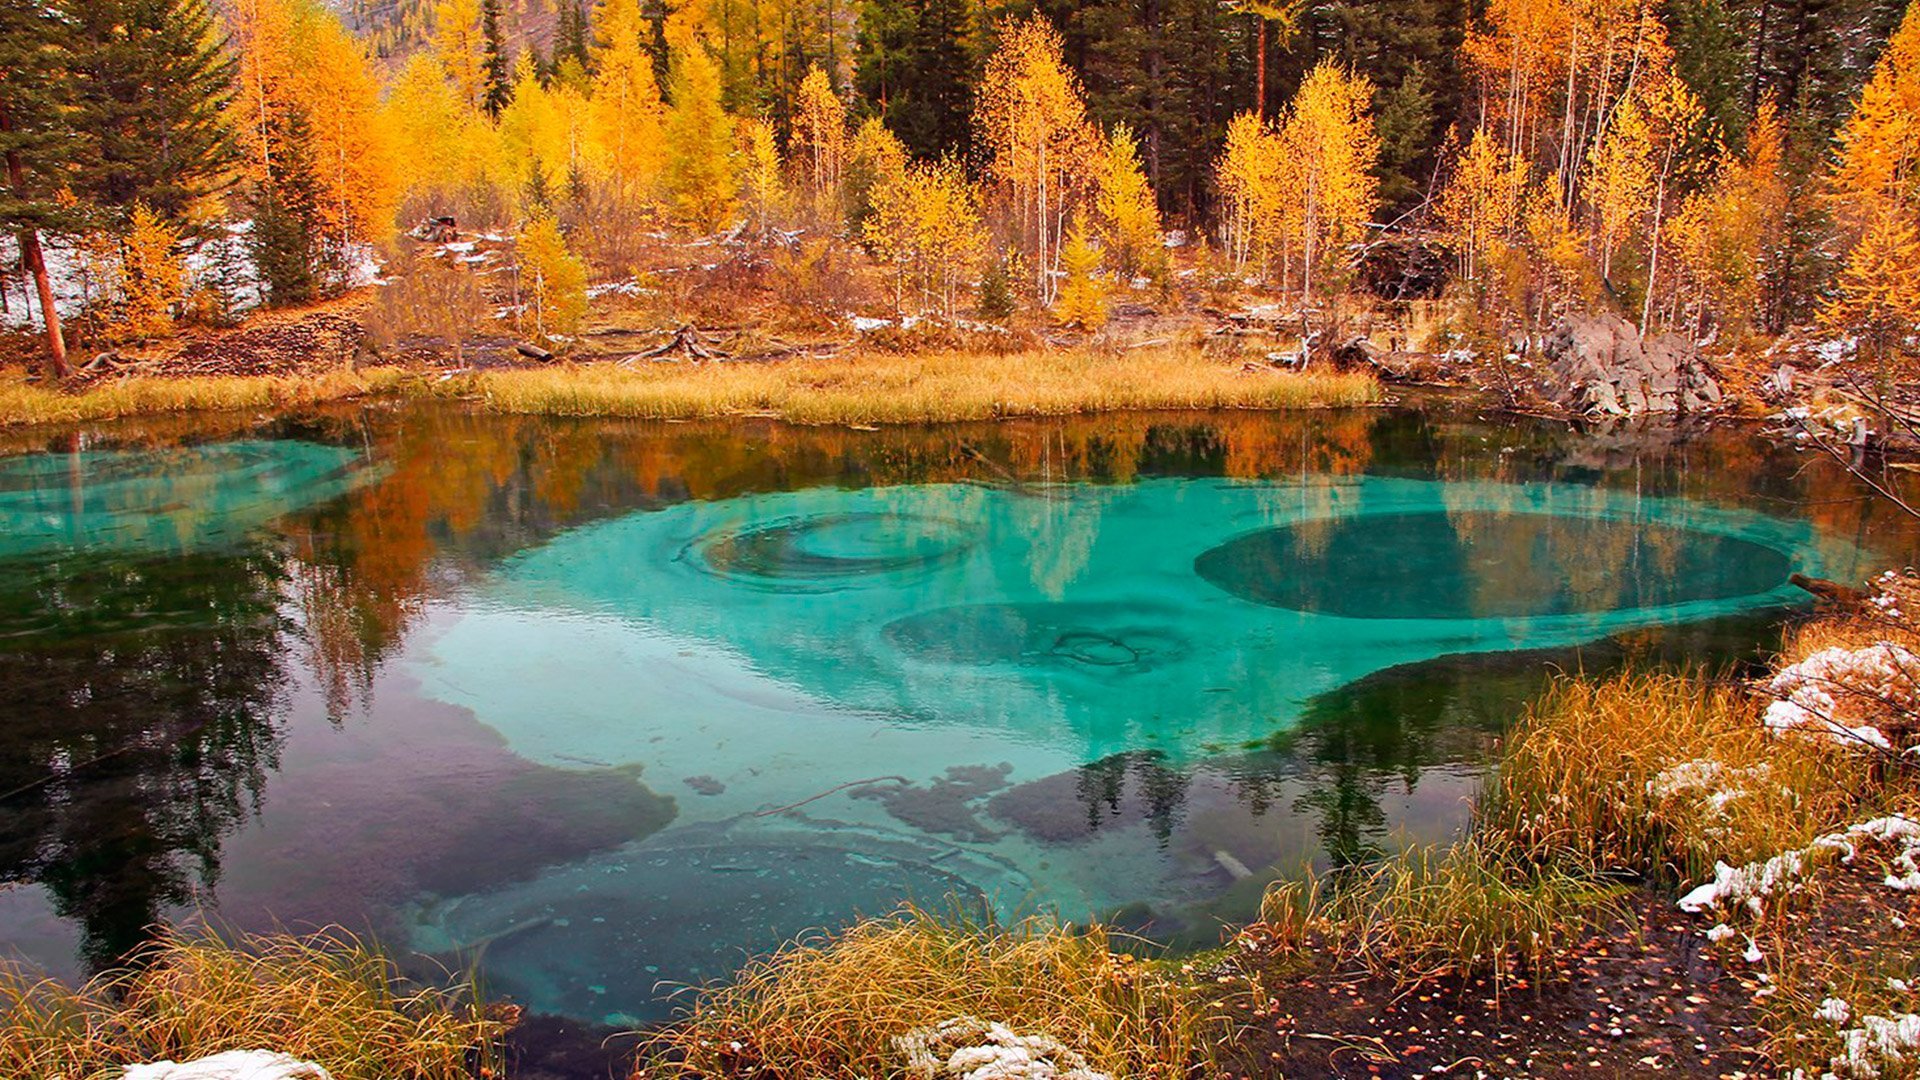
607, 707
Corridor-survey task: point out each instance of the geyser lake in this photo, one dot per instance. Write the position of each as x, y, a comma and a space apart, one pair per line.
608, 707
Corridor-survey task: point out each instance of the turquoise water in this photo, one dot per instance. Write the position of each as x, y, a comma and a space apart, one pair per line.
608, 708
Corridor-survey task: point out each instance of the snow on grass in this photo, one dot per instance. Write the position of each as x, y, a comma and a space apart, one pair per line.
1753, 884
1838, 692
969, 1049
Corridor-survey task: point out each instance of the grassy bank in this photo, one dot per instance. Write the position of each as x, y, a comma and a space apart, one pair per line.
29, 403
329, 1000
861, 389
892, 389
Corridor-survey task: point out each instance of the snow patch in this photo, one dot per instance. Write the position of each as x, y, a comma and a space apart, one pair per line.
968, 1049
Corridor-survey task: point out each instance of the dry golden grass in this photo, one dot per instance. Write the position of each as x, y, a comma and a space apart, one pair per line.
1596, 776
888, 389
833, 1009
25, 403
325, 999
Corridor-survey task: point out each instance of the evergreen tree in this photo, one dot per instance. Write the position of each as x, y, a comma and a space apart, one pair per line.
287, 242
34, 140
914, 69
572, 38
151, 82
499, 68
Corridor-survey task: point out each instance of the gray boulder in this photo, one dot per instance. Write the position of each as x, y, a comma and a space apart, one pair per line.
1599, 364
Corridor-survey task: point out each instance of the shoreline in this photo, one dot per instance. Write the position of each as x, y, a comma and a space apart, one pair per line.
860, 389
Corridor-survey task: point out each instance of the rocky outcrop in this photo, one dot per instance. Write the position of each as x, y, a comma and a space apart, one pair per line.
232, 1065
1600, 364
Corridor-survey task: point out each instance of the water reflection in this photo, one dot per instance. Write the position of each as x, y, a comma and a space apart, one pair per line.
243, 713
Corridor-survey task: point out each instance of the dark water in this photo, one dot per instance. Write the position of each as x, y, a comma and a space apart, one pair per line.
611, 705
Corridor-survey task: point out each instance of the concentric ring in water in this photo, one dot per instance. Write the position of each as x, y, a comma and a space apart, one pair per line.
827, 550
1477, 564
1087, 636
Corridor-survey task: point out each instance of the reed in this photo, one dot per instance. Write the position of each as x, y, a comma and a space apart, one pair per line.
329, 999
920, 388
1657, 776
835, 1007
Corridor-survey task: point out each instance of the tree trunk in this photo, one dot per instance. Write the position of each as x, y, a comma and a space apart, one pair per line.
36, 264
1260, 68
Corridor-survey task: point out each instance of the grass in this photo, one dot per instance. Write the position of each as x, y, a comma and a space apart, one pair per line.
1597, 775
834, 1008
894, 389
26, 403
328, 999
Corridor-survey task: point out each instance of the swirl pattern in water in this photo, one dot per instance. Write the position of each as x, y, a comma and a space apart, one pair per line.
817, 554
1477, 564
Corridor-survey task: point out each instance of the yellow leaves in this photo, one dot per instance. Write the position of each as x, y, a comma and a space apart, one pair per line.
763, 194
876, 159
624, 117
543, 128
1878, 170
460, 48
354, 157
1129, 216
553, 279
1307, 185
926, 221
1723, 230
701, 182
1484, 202
1083, 298
150, 277
819, 142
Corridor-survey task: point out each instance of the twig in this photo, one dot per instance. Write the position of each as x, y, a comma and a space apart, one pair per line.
832, 791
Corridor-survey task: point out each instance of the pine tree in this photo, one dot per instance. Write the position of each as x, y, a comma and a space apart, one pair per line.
150, 86
995, 303
573, 39
700, 174
35, 139
286, 241
914, 68
499, 68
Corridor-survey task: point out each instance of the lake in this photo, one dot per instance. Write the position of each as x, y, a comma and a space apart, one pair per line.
606, 707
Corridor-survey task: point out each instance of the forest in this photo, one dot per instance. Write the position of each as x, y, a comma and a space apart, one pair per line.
1727, 168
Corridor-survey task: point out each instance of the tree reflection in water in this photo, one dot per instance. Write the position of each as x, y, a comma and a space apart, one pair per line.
140, 699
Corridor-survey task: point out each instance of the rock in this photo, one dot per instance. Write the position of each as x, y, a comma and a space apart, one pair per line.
232, 1065
1393, 365
1599, 364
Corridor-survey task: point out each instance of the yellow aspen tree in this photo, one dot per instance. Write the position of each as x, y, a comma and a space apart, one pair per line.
700, 175
1129, 216
1725, 231
1248, 174
625, 118
1032, 119
450, 154
1329, 141
553, 280
1483, 203
926, 223
150, 278
819, 142
875, 159
763, 194
459, 45
1083, 295
355, 159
